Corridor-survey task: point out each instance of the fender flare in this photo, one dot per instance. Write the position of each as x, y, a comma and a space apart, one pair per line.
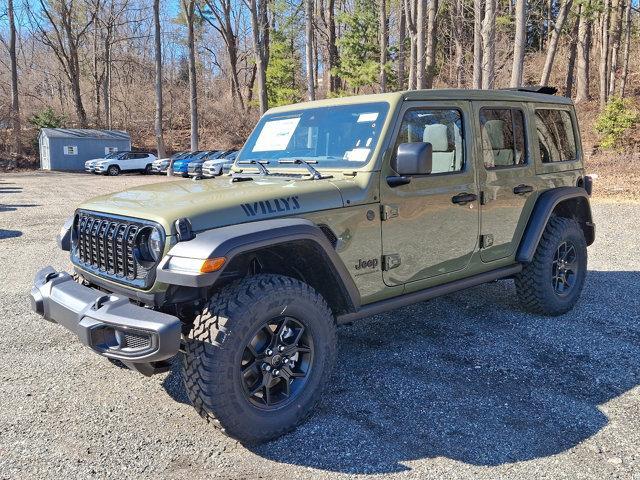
542, 211
234, 240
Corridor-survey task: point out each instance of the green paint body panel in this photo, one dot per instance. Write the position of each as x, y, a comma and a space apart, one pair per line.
437, 241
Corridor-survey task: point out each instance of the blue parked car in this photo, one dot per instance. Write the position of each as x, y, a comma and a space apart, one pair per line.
181, 166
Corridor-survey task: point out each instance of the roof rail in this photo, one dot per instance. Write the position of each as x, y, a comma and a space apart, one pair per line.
545, 89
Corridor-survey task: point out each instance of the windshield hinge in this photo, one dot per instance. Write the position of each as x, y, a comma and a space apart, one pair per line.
390, 262
388, 211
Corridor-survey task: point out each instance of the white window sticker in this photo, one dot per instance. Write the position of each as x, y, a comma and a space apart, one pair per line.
109, 150
70, 150
357, 154
368, 117
275, 135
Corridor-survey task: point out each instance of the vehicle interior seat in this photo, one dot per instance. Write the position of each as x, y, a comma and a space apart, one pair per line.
443, 157
494, 152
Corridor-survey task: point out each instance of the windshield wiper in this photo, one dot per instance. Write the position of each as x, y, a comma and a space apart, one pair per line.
258, 163
315, 174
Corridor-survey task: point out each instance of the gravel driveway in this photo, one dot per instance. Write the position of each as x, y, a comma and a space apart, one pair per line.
464, 386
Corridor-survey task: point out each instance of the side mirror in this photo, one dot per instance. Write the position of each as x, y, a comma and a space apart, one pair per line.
413, 159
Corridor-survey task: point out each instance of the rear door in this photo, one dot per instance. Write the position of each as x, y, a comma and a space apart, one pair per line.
426, 231
506, 174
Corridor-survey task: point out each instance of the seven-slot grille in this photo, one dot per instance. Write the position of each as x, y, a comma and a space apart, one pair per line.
107, 245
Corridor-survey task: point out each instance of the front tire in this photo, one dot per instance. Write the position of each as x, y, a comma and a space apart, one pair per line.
259, 355
113, 171
551, 284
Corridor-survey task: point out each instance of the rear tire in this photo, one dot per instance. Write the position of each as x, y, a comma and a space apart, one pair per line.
147, 170
230, 376
113, 171
551, 284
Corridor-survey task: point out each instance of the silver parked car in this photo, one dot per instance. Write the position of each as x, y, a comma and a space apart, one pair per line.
218, 166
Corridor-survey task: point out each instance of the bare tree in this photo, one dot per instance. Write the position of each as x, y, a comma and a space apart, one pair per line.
63, 30
457, 22
311, 91
616, 37
627, 47
573, 52
327, 19
430, 61
420, 44
553, 41
15, 104
158, 63
478, 15
260, 34
519, 43
188, 7
411, 11
222, 10
384, 40
402, 29
604, 53
489, 44
584, 46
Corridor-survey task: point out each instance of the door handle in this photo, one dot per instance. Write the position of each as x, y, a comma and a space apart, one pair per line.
464, 198
522, 189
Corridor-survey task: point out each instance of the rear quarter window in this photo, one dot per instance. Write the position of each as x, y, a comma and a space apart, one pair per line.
556, 136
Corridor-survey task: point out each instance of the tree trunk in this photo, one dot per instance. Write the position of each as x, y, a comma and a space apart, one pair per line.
189, 11
332, 49
106, 86
97, 81
488, 45
616, 36
627, 47
573, 48
430, 63
158, 62
519, 44
478, 11
258, 27
384, 39
15, 104
420, 44
402, 27
604, 54
584, 46
311, 91
458, 34
410, 9
553, 42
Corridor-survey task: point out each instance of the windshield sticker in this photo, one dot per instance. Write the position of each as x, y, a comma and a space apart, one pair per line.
276, 205
357, 154
368, 117
275, 135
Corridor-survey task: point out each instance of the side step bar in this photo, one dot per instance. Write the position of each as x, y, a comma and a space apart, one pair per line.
428, 294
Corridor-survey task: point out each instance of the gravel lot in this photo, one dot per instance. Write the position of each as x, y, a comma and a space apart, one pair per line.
463, 386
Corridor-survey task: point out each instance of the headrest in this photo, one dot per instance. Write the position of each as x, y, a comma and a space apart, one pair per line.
436, 135
494, 130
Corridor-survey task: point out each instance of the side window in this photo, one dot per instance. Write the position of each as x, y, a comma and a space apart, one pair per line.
442, 129
503, 143
555, 136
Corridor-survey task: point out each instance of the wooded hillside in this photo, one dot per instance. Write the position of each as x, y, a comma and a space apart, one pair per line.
196, 74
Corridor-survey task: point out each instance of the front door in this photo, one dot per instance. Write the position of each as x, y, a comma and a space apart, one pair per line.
430, 225
506, 175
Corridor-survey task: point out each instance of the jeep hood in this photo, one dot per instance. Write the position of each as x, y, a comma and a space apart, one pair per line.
219, 202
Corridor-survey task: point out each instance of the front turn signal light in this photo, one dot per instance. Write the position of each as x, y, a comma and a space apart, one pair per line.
212, 264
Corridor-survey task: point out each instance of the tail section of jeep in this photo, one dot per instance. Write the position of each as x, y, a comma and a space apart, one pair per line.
334, 210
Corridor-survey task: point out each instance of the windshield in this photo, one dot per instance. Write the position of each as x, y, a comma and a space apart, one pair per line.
112, 155
340, 136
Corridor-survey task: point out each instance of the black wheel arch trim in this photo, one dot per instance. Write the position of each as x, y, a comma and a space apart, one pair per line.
231, 241
545, 206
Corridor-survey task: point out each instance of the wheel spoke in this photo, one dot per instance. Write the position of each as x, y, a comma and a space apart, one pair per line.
299, 335
293, 374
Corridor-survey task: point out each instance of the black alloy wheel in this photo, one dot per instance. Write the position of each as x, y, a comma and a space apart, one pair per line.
276, 363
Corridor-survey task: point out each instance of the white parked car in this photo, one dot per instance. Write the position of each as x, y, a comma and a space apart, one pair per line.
90, 165
161, 165
126, 162
218, 166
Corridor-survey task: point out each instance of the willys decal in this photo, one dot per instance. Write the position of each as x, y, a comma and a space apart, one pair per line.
276, 205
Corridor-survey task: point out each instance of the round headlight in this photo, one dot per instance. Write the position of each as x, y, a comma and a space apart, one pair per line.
155, 244
149, 245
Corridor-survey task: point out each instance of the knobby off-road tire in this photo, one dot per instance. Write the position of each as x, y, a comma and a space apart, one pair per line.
217, 346
537, 286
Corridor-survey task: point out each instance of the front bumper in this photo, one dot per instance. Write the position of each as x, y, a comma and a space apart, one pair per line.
109, 324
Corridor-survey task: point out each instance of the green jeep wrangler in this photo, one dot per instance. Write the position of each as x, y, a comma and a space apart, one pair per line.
335, 210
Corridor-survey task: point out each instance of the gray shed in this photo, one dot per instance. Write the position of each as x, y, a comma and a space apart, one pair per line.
69, 148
